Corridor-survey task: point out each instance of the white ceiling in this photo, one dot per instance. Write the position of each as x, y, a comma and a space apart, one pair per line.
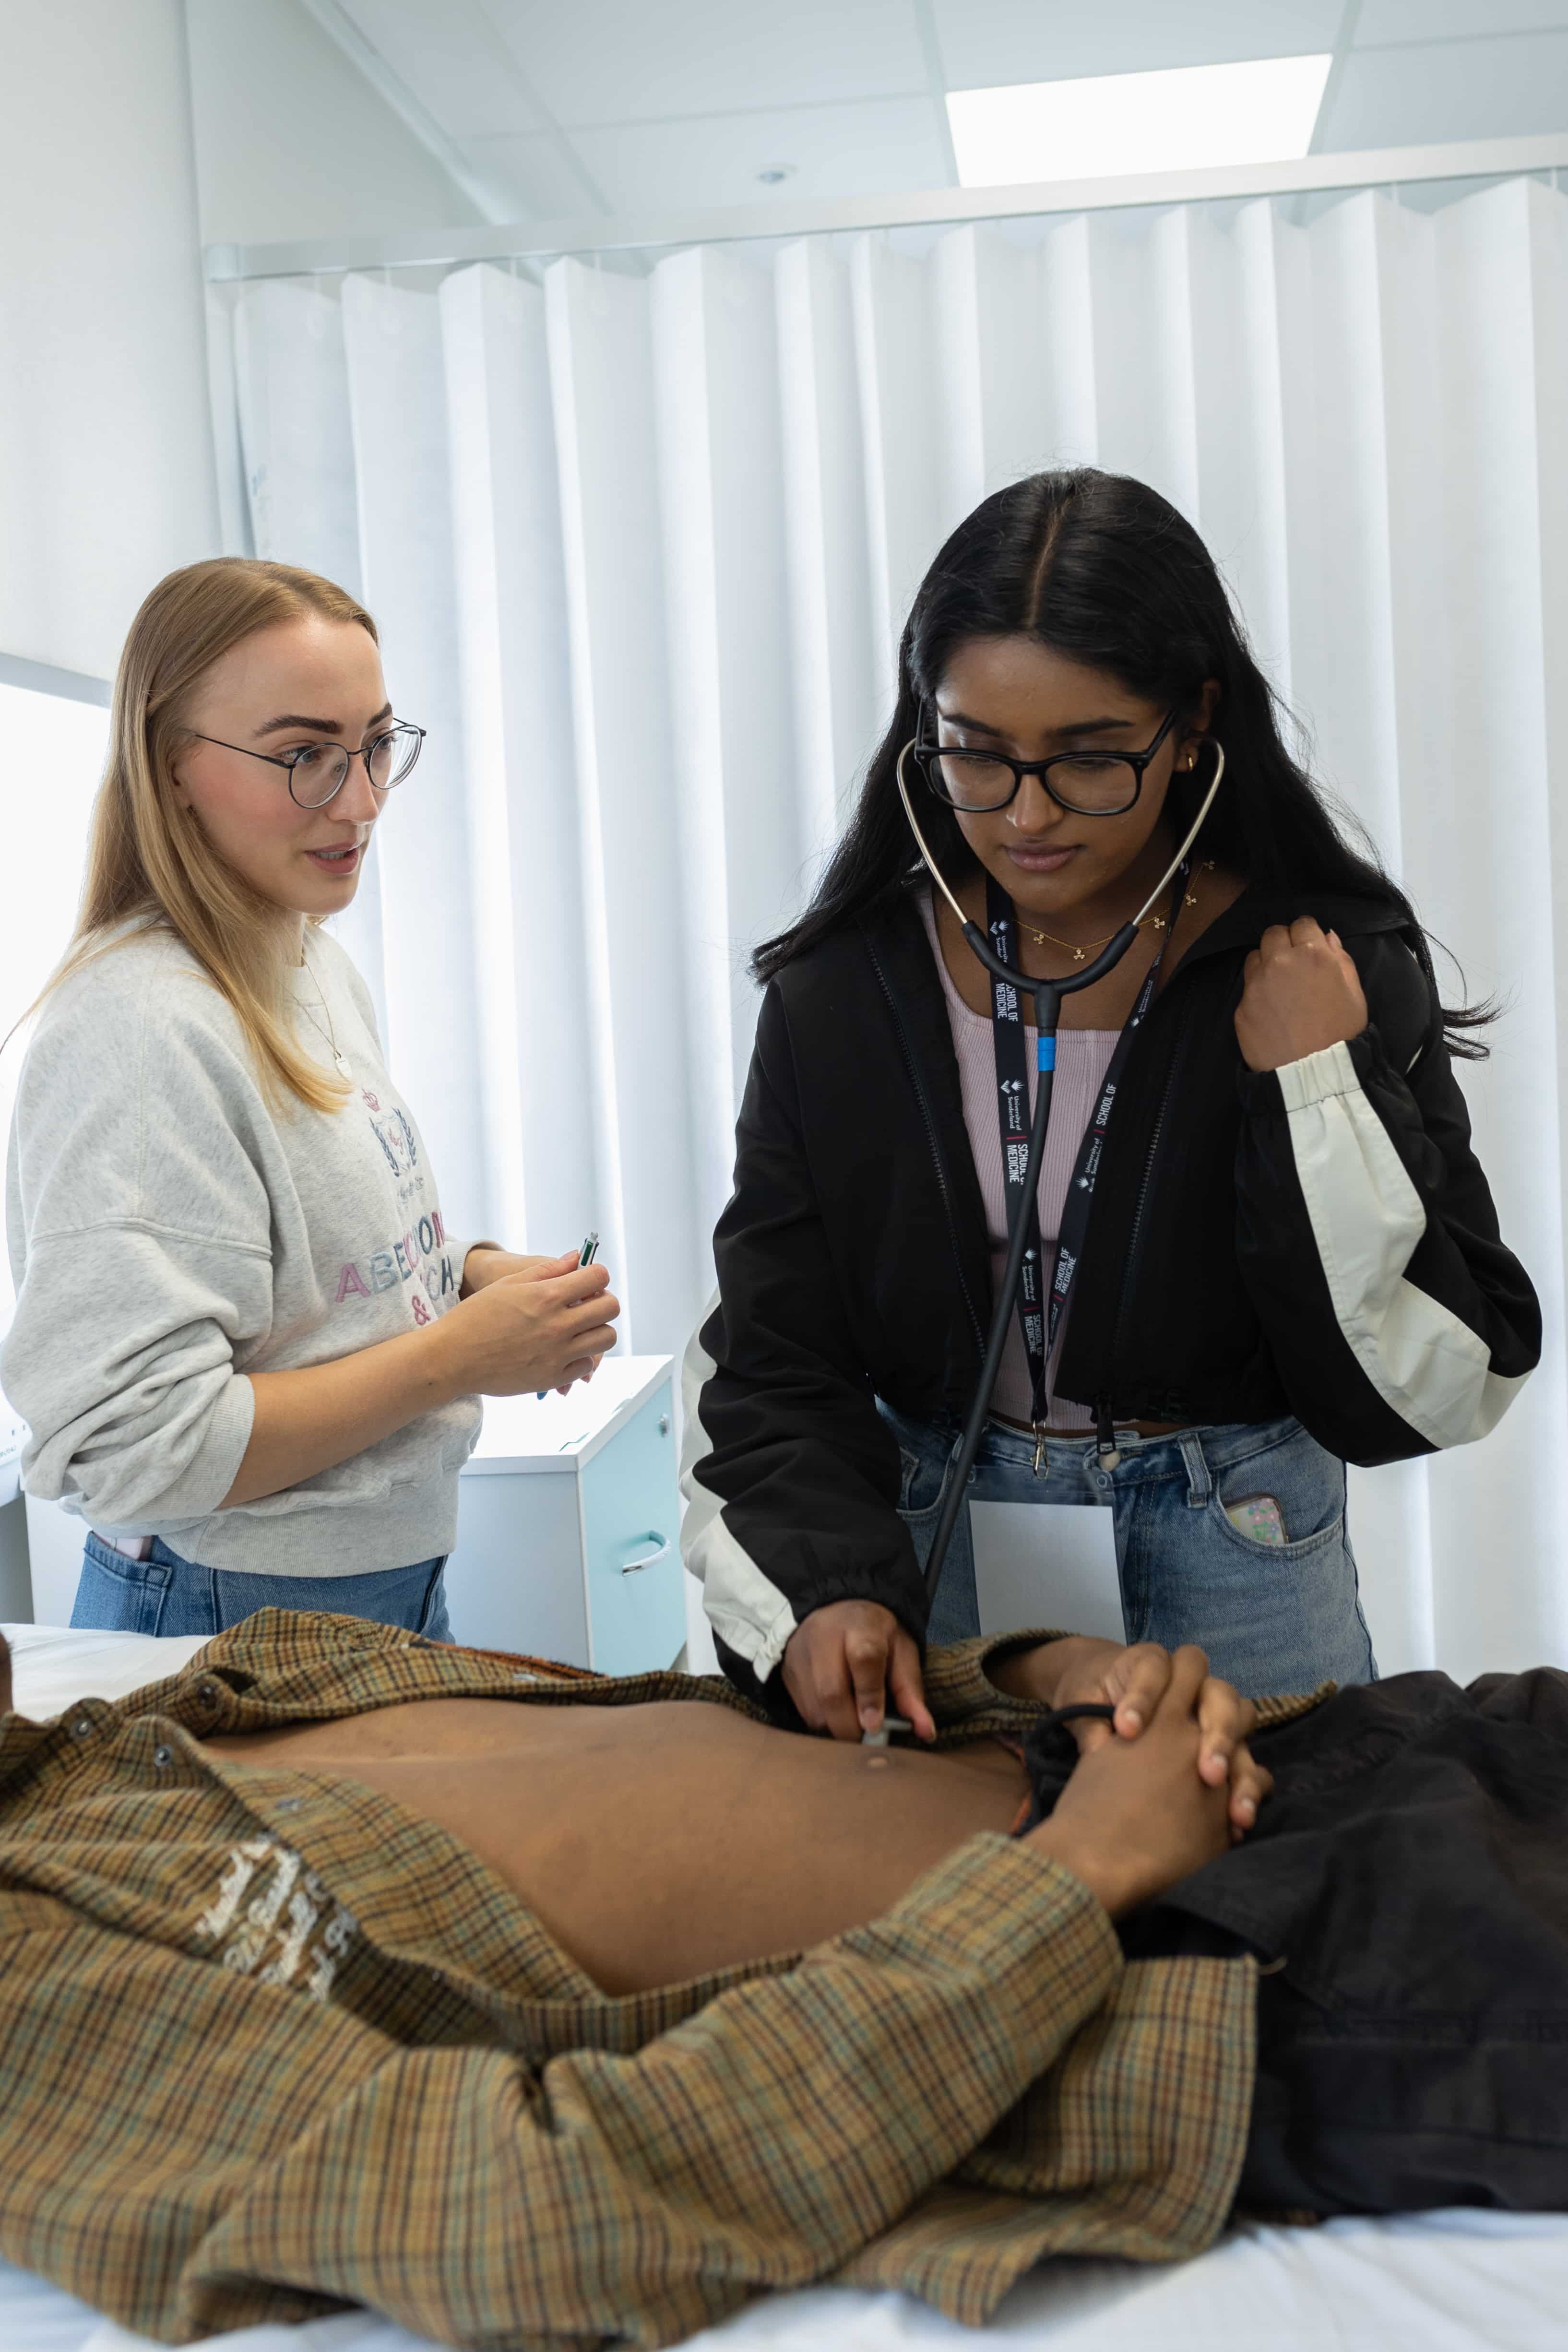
555, 107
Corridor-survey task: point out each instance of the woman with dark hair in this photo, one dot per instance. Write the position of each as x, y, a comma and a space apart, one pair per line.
1264, 1245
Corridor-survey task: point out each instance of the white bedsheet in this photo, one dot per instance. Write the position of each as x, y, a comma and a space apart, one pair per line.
53, 1665
1455, 2281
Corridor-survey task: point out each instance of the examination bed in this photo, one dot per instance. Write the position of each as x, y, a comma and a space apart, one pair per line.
1454, 2281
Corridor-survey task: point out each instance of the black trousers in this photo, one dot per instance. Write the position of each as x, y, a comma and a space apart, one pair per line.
1406, 1889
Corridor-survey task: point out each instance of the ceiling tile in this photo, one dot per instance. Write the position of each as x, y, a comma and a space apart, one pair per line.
452, 61
1383, 21
1455, 90
984, 43
835, 151
535, 176
606, 61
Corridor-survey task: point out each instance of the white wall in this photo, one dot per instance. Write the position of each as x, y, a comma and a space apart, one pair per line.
106, 473
292, 142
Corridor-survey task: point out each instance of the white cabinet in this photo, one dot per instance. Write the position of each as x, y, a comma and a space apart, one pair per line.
568, 1525
568, 1530
55, 1538
15, 1586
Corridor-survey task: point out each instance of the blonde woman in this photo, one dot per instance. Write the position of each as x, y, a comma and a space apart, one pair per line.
248, 1348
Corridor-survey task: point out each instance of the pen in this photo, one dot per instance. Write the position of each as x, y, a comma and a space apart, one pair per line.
585, 1256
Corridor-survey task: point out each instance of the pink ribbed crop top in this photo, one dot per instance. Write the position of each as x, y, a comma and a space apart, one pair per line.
1083, 1056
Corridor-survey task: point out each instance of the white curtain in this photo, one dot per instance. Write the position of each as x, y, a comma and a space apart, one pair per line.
641, 538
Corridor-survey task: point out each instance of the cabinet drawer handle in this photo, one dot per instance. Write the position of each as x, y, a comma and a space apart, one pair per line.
645, 1550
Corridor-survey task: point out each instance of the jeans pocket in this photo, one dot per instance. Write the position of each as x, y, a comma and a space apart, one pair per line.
922, 1477
1303, 1478
117, 1595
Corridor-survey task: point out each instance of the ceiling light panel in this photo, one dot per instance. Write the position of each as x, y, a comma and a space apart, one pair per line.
984, 43
1102, 127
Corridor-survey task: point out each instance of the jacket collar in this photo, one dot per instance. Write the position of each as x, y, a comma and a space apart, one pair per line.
1242, 926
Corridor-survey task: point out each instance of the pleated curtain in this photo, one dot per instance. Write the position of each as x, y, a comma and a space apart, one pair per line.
640, 539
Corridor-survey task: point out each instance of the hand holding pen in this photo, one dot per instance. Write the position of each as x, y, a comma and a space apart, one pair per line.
585, 1256
524, 1323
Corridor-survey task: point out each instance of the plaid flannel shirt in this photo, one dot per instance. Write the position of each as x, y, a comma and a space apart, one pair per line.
270, 2044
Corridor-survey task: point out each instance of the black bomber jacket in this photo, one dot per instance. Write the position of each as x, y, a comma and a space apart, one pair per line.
1318, 1240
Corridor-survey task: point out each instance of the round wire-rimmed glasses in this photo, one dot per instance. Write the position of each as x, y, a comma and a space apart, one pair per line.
317, 773
1089, 784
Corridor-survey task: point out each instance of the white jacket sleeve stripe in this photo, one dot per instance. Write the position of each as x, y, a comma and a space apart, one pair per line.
1367, 1218
746, 1611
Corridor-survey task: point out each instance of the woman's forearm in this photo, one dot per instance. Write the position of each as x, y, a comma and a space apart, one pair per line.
534, 1328
307, 1420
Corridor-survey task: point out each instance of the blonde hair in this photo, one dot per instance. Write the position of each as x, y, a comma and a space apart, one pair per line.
147, 860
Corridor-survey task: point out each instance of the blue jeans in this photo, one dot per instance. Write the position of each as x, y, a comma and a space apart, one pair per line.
1272, 1617
166, 1594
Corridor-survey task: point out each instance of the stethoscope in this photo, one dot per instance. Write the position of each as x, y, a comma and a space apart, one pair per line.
1047, 996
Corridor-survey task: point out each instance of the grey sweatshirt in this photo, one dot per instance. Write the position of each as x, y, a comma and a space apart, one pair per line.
170, 1233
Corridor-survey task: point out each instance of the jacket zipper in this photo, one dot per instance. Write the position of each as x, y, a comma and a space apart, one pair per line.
912, 1066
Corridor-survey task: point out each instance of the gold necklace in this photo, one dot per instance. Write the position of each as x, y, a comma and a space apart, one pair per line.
1081, 954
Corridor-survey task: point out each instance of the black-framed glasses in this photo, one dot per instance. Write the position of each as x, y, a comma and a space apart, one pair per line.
317, 771
1088, 784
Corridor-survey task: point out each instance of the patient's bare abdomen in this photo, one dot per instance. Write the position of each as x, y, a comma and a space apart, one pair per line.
660, 1841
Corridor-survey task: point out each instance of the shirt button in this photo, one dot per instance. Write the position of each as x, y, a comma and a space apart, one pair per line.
162, 1758
82, 1727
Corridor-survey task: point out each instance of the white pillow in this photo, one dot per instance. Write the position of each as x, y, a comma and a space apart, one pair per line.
54, 1666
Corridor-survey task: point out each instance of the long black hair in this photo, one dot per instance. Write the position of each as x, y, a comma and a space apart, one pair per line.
1104, 570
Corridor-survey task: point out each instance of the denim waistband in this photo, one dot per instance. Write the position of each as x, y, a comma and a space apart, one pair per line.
1182, 1453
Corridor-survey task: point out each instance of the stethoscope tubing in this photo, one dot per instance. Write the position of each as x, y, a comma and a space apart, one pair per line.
1109, 956
1047, 996
955, 1486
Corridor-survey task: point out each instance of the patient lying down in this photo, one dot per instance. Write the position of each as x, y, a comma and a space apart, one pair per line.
663, 1841
531, 2008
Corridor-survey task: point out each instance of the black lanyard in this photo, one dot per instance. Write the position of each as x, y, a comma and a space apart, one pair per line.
1040, 1326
